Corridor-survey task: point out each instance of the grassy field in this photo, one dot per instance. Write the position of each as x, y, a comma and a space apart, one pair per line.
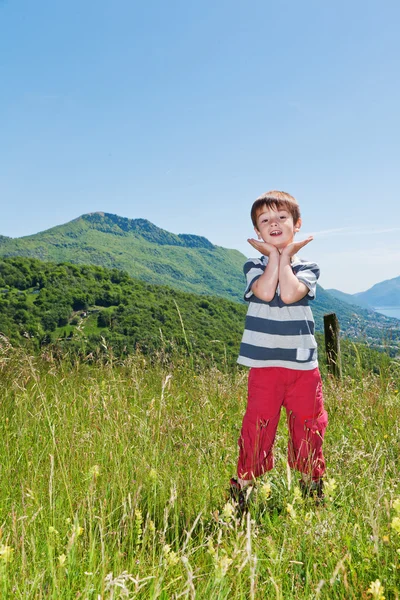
114, 479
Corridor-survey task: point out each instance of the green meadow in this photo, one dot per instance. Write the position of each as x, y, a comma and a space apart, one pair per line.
114, 480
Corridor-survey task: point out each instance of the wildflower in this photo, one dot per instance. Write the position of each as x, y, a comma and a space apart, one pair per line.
62, 560
210, 547
290, 511
6, 553
396, 524
152, 527
308, 517
330, 486
396, 505
297, 496
78, 530
265, 491
228, 511
385, 539
138, 526
95, 471
376, 590
53, 530
222, 564
171, 558
153, 475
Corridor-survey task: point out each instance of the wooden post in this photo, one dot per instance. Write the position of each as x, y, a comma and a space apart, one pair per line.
332, 345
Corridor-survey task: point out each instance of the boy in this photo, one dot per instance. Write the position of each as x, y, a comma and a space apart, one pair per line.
279, 346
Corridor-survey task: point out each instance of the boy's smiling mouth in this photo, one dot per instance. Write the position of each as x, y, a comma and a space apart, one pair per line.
275, 232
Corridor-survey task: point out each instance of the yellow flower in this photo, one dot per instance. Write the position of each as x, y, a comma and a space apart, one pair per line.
297, 496
330, 486
6, 553
53, 530
171, 558
222, 564
396, 524
62, 560
385, 539
138, 525
290, 511
396, 505
228, 511
95, 471
265, 491
78, 531
210, 547
376, 590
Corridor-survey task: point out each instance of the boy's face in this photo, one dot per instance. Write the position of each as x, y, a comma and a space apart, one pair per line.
276, 227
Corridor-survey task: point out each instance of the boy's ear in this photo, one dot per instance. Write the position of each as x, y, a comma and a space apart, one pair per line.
258, 233
297, 226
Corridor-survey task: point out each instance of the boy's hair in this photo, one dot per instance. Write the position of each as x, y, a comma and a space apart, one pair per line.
275, 200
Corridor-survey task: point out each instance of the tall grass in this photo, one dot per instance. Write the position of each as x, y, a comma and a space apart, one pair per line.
114, 479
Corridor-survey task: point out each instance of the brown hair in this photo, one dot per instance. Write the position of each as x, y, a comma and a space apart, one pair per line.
275, 200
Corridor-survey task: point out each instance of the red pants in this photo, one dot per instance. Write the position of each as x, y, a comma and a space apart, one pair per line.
300, 392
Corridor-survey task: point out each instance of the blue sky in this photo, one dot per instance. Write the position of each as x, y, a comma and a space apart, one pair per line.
184, 112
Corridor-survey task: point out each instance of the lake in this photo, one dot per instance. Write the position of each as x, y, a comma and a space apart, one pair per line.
389, 311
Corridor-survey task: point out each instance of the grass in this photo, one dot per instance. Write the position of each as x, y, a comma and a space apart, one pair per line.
114, 478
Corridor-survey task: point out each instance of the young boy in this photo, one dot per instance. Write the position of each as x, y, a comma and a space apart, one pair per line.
279, 346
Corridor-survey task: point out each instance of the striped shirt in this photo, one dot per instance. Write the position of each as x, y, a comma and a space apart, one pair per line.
278, 334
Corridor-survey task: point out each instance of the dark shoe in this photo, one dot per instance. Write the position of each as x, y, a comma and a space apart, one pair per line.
313, 489
237, 495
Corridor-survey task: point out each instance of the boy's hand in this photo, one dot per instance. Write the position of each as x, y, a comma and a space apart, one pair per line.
263, 247
294, 247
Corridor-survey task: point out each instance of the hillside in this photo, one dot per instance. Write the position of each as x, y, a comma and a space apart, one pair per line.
87, 308
83, 308
185, 262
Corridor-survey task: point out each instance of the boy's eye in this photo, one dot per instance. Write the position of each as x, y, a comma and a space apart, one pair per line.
282, 217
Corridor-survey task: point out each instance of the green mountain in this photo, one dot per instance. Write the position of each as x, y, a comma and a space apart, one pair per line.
187, 262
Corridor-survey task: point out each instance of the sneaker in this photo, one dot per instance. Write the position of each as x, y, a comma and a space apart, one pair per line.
313, 489
237, 495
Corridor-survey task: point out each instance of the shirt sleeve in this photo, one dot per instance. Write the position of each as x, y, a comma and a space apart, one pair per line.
253, 269
308, 273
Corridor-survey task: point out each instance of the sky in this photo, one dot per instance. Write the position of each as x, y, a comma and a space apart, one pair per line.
183, 113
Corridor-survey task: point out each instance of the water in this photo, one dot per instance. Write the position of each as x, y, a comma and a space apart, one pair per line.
389, 311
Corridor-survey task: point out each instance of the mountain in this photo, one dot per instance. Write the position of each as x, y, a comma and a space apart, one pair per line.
185, 262
349, 298
385, 293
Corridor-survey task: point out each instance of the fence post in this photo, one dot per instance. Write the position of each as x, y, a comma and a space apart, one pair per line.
332, 345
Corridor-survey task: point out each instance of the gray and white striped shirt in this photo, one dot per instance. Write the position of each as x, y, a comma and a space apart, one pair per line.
278, 334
